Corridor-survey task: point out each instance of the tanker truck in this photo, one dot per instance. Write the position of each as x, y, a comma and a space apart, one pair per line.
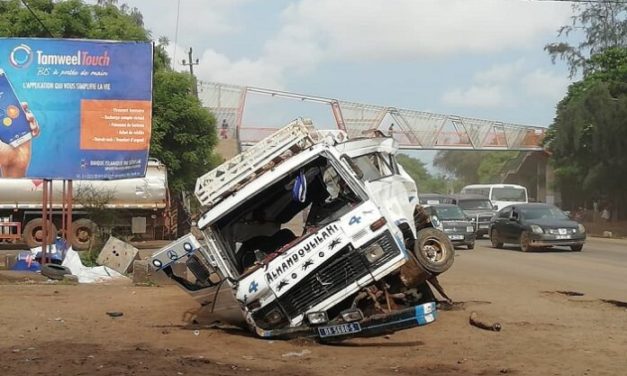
138, 207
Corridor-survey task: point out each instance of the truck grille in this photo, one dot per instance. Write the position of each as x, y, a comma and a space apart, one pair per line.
337, 273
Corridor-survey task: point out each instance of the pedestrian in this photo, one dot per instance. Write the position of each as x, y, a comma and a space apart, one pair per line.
224, 131
391, 130
605, 214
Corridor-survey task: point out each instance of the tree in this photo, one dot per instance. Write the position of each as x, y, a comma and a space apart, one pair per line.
425, 181
472, 167
588, 137
183, 132
604, 26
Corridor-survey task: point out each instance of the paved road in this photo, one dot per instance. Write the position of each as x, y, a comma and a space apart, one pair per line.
599, 270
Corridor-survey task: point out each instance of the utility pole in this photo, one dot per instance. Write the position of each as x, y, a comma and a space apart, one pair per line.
191, 64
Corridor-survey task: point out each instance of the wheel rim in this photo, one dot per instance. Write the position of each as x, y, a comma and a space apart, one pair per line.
434, 250
83, 235
38, 234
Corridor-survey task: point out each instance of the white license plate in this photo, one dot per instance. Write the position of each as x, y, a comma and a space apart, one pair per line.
338, 330
484, 226
456, 237
560, 237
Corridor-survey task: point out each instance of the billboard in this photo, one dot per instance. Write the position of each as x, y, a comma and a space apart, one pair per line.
74, 109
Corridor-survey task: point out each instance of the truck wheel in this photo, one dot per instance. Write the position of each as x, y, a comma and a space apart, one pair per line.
434, 250
33, 233
83, 233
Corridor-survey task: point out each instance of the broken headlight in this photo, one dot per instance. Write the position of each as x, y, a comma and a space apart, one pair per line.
353, 314
373, 252
273, 317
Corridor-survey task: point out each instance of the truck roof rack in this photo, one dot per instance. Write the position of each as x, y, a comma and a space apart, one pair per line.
231, 175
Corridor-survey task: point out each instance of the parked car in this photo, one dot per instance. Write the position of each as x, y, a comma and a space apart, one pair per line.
434, 199
479, 209
536, 225
452, 220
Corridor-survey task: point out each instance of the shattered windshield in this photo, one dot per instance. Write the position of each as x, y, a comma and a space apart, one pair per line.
307, 197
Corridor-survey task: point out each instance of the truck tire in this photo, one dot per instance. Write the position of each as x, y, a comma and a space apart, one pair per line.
83, 234
33, 233
434, 250
54, 271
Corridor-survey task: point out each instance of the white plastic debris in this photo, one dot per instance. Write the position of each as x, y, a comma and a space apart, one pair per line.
87, 274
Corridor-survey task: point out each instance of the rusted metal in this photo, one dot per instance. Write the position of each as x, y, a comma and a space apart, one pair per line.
438, 287
10, 235
66, 211
44, 217
70, 196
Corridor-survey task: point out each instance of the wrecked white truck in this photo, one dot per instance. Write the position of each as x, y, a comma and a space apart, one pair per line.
316, 235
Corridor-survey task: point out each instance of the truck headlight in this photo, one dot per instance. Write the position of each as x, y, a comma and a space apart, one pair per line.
536, 229
373, 252
581, 228
470, 229
351, 315
317, 318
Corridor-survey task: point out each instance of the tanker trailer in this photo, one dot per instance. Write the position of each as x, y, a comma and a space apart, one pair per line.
139, 206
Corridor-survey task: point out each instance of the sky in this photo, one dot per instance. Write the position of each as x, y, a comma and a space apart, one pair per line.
476, 58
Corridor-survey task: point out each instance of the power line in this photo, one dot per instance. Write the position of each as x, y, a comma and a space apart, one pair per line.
176, 32
37, 18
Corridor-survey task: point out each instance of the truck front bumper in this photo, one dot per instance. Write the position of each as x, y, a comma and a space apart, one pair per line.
370, 326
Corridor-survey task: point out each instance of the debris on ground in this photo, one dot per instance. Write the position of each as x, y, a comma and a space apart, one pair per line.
481, 324
115, 314
296, 353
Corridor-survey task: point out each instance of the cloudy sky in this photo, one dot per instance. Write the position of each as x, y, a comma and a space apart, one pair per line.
477, 58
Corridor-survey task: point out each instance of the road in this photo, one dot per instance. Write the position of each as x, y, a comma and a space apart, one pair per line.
599, 270
550, 305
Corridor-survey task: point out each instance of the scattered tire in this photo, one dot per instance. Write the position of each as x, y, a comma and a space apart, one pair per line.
33, 233
495, 240
576, 248
54, 271
434, 250
83, 234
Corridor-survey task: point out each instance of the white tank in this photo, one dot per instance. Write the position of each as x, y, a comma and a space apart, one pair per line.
147, 192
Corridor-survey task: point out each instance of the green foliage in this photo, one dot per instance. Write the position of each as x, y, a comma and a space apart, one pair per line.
71, 19
604, 25
425, 182
183, 132
588, 137
472, 167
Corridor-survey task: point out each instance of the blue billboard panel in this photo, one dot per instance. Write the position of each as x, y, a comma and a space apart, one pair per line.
74, 109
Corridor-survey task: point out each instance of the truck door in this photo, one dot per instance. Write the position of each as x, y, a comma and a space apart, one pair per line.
386, 185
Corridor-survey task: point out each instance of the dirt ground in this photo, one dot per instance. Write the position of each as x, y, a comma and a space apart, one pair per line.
60, 329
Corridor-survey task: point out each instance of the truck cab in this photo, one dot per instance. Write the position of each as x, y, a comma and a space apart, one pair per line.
316, 235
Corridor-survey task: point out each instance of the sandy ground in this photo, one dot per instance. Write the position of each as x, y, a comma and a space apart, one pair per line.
58, 329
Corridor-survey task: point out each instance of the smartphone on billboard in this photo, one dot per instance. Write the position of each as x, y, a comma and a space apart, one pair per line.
14, 127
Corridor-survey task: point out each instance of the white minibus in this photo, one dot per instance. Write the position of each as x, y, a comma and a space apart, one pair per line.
501, 195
